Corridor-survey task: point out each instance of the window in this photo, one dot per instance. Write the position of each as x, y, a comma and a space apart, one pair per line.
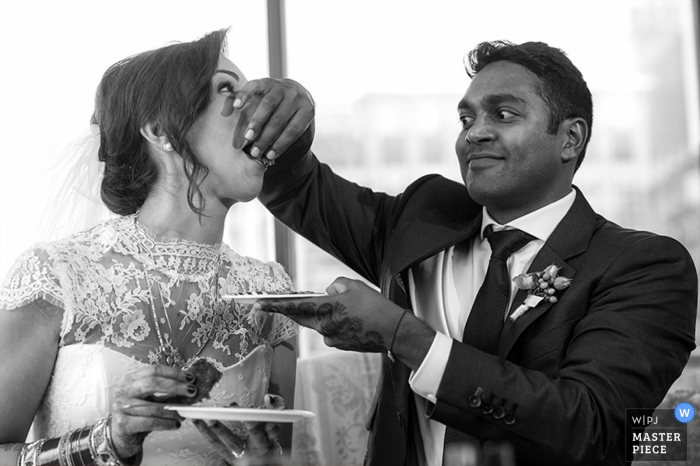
55, 55
394, 70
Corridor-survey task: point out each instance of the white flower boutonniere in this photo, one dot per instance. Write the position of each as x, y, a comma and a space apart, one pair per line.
544, 285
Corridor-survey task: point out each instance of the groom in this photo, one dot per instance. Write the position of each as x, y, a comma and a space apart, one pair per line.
612, 321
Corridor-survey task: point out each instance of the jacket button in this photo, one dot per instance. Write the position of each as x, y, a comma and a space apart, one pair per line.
509, 419
487, 408
499, 413
474, 401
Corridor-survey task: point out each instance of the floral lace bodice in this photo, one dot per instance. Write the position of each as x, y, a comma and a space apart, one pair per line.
110, 279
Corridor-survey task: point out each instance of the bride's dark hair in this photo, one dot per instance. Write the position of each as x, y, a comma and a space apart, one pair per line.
170, 86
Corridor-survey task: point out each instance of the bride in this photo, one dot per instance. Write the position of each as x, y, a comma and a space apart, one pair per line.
94, 325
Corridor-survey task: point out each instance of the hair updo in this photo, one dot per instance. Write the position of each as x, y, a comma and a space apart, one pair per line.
170, 86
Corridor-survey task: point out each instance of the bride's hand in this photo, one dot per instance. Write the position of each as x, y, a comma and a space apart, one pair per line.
254, 440
136, 411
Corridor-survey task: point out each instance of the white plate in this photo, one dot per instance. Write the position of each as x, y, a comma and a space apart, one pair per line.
241, 414
251, 298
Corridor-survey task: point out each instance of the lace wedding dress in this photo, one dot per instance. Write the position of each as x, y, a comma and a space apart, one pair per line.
111, 281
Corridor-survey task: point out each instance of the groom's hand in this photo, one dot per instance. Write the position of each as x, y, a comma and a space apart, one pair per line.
355, 317
282, 111
352, 317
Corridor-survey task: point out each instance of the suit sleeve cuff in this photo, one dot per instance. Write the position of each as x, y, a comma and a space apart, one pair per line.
425, 381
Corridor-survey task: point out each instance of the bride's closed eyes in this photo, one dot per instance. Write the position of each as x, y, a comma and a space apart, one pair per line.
227, 86
228, 83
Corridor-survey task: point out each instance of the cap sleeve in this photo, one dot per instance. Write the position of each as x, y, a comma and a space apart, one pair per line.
33, 276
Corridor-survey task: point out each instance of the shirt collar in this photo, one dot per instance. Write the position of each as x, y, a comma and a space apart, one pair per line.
540, 223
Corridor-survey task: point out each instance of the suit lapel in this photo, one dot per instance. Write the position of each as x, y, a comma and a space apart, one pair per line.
570, 238
423, 239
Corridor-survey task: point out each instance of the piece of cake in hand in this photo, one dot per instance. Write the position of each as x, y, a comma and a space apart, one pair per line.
206, 376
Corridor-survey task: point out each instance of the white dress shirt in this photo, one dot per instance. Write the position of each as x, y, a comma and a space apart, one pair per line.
443, 288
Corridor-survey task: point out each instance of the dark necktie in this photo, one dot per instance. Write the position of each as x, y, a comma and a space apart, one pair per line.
485, 322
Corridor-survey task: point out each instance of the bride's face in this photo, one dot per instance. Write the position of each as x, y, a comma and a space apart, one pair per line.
233, 175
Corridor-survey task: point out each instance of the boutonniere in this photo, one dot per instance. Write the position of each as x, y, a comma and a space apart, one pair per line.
544, 285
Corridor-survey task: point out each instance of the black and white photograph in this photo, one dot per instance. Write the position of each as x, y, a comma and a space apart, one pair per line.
350, 233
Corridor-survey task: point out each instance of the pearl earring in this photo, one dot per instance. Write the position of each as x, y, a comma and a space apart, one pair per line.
167, 147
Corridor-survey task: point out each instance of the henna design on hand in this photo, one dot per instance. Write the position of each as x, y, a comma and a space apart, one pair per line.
332, 321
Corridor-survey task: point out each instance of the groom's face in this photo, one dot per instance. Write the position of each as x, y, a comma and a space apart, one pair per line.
509, 162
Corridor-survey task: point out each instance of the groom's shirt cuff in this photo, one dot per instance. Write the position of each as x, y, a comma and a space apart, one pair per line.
425, 381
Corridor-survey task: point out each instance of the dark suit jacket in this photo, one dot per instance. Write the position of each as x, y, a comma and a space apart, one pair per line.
564, 374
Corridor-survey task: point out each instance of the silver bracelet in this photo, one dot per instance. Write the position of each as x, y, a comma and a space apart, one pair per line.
74, 448
64, 451
102, 448
71, 449
29, 455
83, 447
